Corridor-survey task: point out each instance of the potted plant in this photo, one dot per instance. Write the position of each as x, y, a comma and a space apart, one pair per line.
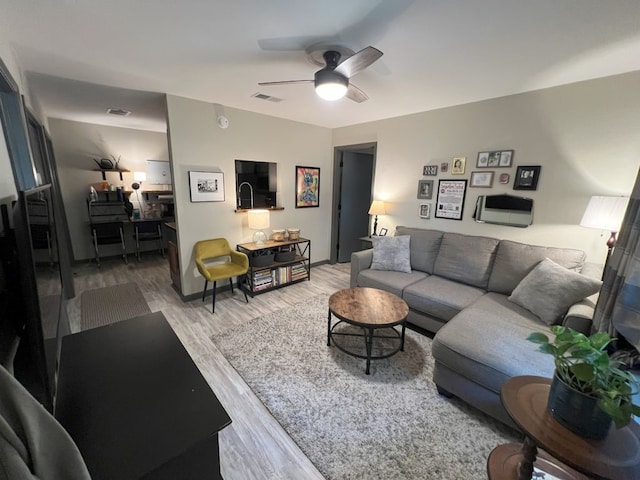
588, 390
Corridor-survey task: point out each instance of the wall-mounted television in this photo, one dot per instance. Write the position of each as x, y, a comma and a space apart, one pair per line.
256, 184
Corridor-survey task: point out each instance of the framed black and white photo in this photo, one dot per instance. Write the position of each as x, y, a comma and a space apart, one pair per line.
206, 186
383, 232
450, 202
425, 210
527, 177
457, 167
495, 159
444, 167
425, 189
481, 179
430, 170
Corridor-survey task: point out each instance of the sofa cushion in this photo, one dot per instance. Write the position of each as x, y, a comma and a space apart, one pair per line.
487, 343
550, 289
515, 260
391, 253
465, 258
424, 247
394, 282
440, 297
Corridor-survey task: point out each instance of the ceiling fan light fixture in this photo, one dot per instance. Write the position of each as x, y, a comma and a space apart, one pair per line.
330, 85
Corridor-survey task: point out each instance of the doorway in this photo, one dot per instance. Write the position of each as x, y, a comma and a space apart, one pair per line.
354, 167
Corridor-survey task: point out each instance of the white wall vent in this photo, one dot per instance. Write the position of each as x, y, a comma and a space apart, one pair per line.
118, 111
268, 98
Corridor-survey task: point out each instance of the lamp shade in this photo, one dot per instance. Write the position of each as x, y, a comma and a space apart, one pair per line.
605, 213
258, 219
139, 176
377, 208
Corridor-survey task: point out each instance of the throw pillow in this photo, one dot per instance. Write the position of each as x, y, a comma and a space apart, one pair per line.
550, 289
391, 253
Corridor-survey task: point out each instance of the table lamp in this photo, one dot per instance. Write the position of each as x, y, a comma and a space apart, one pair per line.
258, 221
605, 213
377, 208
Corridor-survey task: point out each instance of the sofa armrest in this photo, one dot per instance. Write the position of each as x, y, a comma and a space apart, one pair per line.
359, 261
580, 315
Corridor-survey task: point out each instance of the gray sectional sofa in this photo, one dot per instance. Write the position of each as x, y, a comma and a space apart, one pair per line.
459, 287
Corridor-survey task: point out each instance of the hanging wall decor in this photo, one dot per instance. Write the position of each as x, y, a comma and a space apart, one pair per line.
307, 187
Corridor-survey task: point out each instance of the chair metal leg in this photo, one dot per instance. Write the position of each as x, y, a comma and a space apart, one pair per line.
95, 247
231, 283
242, 289
213, 309
205, 289
124, 247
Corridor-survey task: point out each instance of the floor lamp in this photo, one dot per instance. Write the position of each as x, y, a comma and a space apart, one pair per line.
605, 213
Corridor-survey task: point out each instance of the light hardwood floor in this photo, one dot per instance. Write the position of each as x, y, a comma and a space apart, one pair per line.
254, 446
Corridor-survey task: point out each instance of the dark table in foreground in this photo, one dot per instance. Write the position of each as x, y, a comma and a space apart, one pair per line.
617, 457
136, 405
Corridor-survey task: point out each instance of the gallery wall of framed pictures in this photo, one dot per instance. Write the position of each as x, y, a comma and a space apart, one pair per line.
494, 169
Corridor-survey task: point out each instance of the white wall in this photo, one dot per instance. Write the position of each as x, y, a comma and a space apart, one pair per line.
196, 143
75, 145
584, 135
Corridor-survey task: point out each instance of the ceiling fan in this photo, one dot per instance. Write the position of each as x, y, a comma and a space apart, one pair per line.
332, 81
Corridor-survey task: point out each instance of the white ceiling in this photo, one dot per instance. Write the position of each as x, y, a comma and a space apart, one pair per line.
83, 56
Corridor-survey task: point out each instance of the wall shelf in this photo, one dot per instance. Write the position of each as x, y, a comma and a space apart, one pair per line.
105, 170
243, 210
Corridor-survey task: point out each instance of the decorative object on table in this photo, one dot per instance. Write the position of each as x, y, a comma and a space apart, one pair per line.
527, 177
258, 221
206, 186
450, 202
504, 178
430, 170
138, 178
495, 159
481, 179
383, 232
605, 213
293, 233
425, 189
589, 390
377, 208
457, 167
277, 234
425, 210
307, 187
444, 167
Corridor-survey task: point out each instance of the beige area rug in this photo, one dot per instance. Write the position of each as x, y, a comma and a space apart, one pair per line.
391, 424
106, 305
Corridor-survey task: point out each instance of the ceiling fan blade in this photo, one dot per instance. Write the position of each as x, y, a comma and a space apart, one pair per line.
355, 94
285, 82
358, 61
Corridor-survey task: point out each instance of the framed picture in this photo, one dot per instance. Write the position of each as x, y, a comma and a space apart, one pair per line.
504, 178
425, 189
444, 167
458, 165
425, 210
383, 232
450, 202
527, 177
430, 170
307, 187
495, 159
481, 179
206, 186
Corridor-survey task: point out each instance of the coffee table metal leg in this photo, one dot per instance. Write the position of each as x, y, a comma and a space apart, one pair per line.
368, 340
404, 325
329, 330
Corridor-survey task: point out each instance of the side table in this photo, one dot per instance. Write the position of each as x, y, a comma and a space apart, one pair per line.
525, 400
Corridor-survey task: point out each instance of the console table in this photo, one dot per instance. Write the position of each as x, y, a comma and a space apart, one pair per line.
136, 405
616, 457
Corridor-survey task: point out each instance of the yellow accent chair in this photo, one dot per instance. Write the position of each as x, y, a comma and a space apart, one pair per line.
227, 264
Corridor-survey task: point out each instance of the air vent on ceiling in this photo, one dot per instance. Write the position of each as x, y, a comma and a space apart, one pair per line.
268, 98
118, 111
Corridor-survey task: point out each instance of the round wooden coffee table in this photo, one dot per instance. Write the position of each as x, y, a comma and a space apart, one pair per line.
370, 309
616, 457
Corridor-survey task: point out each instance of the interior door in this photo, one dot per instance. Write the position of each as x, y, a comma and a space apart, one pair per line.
355, 199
